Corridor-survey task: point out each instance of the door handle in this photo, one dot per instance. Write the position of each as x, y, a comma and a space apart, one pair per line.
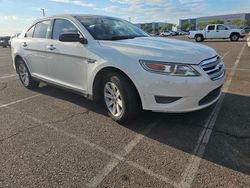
51, 47
25, 44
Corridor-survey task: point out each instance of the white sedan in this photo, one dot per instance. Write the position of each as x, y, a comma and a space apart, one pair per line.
165, 33
110, 59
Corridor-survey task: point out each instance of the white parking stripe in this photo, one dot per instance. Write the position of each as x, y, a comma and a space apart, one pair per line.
95, 181
192, 168
232, 72
226, 54
116, 159
21, 100
9, 76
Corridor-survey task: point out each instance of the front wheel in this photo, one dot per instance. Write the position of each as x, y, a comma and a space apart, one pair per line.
234, 37
120, 97
24, 75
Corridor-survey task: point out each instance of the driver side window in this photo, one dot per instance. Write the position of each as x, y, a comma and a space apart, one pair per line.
211, 28
62, 26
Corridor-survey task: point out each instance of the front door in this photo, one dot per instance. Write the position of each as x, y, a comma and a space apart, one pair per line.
67, 60
210, 32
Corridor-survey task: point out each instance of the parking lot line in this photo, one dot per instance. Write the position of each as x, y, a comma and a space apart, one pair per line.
225, 54
192, 168
116, 158
9, 76
21, 100
232, 72
95, 181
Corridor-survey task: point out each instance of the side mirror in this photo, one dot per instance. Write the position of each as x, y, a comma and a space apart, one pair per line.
72, 37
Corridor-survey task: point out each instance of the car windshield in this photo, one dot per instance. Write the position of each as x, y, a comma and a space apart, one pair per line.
105, 28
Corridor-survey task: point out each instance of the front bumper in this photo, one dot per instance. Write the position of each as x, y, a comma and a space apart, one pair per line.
190, 91
242, 36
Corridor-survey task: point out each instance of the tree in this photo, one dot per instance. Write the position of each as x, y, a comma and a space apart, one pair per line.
147, 29
167, 27
187, 27
216, 22
239, 22
202, 25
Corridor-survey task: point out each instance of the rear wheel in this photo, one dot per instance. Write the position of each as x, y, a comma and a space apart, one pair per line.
235, 37
24, 75
199, 38
120, 97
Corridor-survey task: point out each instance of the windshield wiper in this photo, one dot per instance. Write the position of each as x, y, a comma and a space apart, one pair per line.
119, 38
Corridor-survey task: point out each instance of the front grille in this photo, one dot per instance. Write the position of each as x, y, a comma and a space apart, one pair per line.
210, 96
214, 67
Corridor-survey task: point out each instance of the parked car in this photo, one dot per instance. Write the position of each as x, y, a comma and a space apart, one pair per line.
165, 33
247, 29
184, 33
174, 33
4, 41
111, 60
248, 40
217, 31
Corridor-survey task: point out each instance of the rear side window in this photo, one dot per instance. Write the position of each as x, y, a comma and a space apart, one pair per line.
221, 27
29, 33
41, 29
63, 26
211, 27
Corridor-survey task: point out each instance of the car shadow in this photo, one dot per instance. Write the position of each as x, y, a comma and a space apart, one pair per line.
224, 40
229, 144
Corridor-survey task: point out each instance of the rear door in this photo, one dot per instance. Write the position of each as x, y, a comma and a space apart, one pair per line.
34, 46
210, 32
67, 60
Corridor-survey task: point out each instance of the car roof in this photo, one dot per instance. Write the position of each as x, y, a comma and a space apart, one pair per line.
70, 16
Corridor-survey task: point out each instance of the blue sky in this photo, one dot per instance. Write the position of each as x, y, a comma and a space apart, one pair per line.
15, 15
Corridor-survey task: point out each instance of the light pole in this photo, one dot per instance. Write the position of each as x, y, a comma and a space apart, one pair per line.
43, 10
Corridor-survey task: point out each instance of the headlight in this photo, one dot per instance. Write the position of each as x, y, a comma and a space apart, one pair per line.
172, 69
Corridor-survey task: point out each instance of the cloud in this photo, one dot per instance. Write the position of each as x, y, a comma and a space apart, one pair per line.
154, 10
38, 9
14, 24
75, 2
190, 1
138, 1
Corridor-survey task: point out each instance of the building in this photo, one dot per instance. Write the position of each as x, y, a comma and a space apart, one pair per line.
228, 19
153, 25
190, 21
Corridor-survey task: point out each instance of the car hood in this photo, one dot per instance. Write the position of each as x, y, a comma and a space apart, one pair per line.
160, 49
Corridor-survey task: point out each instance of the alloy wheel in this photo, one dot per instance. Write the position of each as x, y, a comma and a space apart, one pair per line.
113, 99
23, 73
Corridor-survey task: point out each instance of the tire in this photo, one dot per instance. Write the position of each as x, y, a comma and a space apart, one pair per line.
120, 97
234, 37
24, 75
199, 38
